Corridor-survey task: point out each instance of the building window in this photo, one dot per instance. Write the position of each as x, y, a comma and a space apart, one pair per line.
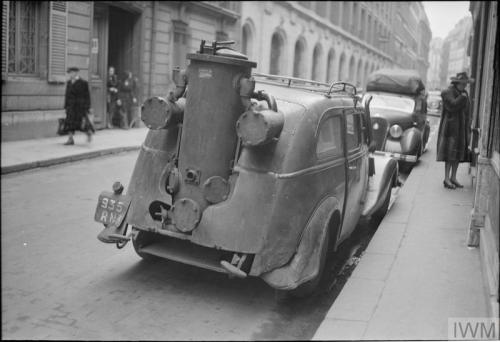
181, 42
335, 10
321, 8
247, 41
359, 75
352, 70
277, 54
367, 71
330, 66
355, 19
346, 15
316, 67
299, 60
342, 68
363, 24
306, 4
23, 40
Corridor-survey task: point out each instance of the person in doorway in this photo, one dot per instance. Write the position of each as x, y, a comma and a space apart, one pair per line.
77, 105
127, 95
112, 85
452, 144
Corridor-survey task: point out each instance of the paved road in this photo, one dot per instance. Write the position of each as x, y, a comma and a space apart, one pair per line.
60, 282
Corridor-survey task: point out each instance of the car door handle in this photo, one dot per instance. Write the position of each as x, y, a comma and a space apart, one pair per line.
353, 167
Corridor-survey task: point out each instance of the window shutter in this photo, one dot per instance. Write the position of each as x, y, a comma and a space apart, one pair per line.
5, 38
57, 41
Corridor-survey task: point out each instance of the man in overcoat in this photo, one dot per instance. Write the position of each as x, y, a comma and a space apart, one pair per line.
127, 96
112, 85
77, 105
452, 142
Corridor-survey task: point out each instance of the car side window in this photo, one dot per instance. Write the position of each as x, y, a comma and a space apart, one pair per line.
330, 138
353, 131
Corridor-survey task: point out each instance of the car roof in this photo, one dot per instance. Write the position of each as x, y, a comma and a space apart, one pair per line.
307, 97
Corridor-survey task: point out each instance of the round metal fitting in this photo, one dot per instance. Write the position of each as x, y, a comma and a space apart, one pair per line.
117, 188
187, 214
215, 189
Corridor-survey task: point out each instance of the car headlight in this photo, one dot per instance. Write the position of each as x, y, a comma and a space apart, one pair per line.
395, 131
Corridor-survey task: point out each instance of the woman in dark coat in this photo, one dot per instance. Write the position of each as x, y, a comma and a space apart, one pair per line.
452, 142
77, 104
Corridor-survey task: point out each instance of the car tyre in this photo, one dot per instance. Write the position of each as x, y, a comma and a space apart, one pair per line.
308, 288
378, 216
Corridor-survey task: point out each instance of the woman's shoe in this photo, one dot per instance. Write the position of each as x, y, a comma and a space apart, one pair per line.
457, 184
448, 185
70, 142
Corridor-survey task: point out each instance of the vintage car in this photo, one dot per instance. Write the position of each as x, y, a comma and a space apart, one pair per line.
434, 103
249, 175
398, 113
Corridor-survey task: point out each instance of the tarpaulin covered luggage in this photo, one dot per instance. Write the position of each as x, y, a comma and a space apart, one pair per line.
400, 81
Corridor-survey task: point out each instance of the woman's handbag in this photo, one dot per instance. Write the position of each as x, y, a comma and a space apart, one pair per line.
61, 129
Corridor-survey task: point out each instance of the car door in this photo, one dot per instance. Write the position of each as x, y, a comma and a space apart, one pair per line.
330, 154
356, 171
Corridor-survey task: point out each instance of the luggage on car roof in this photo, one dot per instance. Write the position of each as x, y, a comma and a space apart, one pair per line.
400, 81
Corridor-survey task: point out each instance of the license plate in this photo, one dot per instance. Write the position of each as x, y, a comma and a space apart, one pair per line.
111, 208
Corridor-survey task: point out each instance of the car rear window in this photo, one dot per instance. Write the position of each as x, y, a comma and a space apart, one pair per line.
330, 138
390, 102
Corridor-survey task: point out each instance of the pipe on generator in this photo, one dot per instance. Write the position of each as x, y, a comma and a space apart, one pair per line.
256, 128
158, 113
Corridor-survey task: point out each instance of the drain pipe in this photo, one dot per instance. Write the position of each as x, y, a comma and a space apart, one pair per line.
152, 48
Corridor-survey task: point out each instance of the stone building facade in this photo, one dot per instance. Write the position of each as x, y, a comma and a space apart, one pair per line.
40, 39
433, 74
485, 69
328, 41
456, 53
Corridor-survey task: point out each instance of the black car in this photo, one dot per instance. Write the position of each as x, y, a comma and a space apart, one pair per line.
398, 109
434, 103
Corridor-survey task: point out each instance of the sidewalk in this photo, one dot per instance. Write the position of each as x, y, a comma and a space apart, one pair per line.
27, 154
417, 270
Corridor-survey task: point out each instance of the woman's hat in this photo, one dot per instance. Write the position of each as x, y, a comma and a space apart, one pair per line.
461, 77
70, 69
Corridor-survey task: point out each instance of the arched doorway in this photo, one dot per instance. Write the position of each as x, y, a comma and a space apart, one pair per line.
316, 67
367, 72
247, 40
359, 74
277, 54
352, 70
330, 70
299, 58
342, 68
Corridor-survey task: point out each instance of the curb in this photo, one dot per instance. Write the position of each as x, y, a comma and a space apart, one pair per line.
66, 159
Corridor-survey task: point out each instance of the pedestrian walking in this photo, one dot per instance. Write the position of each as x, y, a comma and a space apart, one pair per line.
112, 85
77, 105
452, 142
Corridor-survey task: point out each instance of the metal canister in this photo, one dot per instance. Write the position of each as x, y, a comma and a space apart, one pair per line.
209, 138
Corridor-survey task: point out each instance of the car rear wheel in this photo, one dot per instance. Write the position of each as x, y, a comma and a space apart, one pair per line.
309, 287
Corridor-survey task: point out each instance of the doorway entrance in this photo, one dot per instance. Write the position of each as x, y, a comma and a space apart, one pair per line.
115, 41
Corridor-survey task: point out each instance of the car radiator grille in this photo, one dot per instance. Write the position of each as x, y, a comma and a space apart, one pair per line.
379, 134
